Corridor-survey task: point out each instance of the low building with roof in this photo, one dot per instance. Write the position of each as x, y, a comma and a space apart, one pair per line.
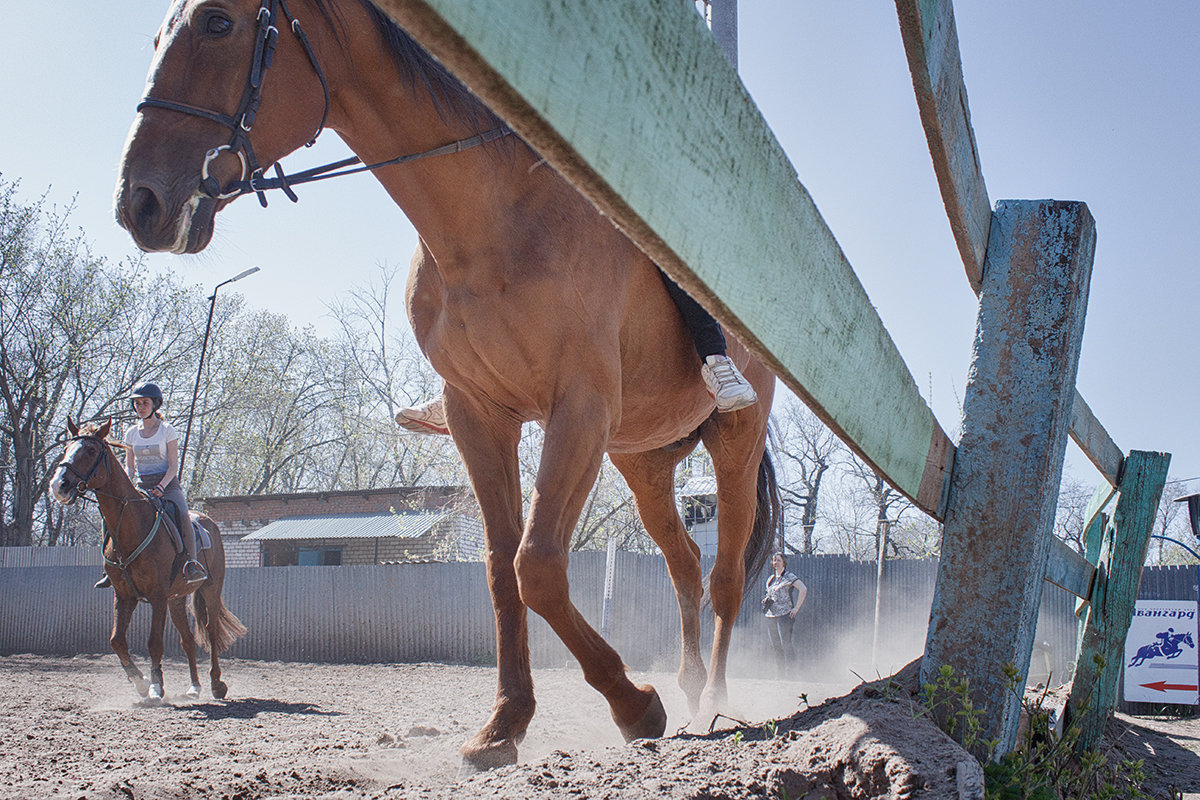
369, 526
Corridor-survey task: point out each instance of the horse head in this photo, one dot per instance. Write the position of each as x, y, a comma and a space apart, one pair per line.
86, 457
205, 122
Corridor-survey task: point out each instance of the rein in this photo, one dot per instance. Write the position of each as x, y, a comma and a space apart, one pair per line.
242, 122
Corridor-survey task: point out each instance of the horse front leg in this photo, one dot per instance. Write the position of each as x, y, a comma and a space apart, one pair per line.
651, 478
158, 625
489, 450
571, 456
187, 639
122, 613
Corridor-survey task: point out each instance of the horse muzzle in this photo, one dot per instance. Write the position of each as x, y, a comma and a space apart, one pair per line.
158, 224
63, 490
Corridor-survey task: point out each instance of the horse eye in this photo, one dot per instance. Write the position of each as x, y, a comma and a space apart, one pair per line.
217, 25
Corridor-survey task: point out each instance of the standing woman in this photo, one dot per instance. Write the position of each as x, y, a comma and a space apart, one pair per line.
780, 611
152, 461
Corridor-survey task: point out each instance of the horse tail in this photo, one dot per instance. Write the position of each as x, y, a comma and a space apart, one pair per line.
768, 516
225, 627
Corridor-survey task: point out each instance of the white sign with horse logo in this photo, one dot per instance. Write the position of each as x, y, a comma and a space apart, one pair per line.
1160, 653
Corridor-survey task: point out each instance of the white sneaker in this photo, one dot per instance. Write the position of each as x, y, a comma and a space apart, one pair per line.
426, 418
726, 384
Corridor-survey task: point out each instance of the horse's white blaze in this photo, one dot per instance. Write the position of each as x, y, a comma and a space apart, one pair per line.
184, 224
55, 488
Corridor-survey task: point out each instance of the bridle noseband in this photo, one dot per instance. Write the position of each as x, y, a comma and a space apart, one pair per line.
242, 121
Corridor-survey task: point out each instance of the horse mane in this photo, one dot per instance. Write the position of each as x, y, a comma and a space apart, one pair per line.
453, 101
92, 428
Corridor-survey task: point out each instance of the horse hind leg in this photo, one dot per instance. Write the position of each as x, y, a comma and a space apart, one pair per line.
187, 640
218, 628
651, 478
735, 442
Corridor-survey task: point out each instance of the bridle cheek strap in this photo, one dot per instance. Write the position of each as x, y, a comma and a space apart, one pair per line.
242, 122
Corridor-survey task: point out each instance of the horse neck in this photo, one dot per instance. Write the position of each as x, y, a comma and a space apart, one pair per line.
125, 512
380, 116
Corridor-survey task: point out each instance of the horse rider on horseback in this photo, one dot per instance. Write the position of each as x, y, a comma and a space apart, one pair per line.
152, 461
724, 381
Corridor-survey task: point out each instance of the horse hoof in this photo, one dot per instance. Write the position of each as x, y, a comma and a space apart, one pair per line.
193, 692
480, 758
141, 687
653, 721
219, 690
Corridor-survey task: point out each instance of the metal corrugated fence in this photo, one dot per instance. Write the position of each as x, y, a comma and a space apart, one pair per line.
442, 612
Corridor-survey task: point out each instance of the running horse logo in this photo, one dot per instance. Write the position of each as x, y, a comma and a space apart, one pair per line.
1168, 645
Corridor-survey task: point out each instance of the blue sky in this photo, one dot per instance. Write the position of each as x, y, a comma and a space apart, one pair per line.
1095, 102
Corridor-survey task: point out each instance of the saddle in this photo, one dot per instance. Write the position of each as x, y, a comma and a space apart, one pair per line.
170, 514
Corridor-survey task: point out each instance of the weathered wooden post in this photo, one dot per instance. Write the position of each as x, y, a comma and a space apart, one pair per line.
1016, 413
1122, 552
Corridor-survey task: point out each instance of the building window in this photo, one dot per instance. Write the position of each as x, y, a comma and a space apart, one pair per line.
319, 557
699, 508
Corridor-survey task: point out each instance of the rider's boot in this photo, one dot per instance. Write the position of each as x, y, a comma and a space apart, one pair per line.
193, 570
104, 582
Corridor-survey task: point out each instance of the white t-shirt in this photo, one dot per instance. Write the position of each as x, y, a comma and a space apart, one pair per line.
150, 452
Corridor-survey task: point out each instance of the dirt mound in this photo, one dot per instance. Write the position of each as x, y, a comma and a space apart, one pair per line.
868, 744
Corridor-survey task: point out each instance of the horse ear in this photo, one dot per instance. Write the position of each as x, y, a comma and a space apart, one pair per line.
72, 428
104, 429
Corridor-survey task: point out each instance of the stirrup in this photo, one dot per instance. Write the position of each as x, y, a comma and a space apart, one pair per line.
203, 576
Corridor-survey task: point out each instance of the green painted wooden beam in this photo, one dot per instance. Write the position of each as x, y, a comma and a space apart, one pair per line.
636, 105
931, 44
1119, 571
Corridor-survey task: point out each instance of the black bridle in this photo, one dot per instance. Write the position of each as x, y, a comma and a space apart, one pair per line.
242, 122
82, 485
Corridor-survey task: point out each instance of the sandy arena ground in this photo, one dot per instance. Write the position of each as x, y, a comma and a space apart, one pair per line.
73, 728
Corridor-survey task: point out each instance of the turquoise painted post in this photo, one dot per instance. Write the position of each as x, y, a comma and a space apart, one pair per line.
1003, 489
1122, 554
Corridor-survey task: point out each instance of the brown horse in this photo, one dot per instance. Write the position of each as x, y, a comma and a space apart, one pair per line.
143, 564
527, 301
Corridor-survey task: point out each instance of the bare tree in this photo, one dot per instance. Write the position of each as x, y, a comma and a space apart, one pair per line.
73, 330
1073, 499
807, 450
1170, 520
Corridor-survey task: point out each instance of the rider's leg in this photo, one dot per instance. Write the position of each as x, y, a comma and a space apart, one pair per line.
724, 380
706, 331
192, 569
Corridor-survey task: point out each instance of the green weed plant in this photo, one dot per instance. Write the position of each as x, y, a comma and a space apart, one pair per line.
1042, 765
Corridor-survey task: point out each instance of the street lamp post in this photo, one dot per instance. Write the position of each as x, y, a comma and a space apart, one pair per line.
212, 304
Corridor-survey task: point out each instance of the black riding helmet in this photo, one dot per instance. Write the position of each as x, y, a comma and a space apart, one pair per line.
148, 389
